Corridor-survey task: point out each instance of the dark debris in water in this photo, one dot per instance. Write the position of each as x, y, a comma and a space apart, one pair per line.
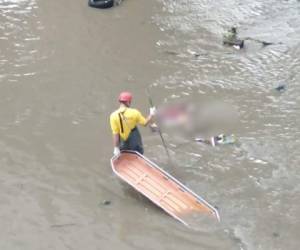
281, 88
173, 53
105, 202
275, 235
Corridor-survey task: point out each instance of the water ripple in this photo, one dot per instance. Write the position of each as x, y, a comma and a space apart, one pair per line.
18, 38
243, 178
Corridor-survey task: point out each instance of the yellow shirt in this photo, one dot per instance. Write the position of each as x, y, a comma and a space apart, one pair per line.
129, 117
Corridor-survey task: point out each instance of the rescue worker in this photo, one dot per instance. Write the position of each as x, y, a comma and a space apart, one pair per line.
124, 121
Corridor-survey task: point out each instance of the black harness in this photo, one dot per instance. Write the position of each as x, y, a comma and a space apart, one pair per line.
121, 123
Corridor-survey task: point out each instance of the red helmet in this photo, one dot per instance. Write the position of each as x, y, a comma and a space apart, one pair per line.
125, 97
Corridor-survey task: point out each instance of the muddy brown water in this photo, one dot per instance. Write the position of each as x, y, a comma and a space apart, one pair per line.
62, 65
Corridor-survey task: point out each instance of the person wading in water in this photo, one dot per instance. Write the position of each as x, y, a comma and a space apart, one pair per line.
124, 121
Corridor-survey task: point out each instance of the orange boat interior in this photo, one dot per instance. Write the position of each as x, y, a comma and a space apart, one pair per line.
160, 187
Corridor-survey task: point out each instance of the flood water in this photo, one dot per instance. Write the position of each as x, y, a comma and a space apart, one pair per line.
62, 65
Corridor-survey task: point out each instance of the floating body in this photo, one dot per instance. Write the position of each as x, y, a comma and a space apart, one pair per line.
161, 188
175, 115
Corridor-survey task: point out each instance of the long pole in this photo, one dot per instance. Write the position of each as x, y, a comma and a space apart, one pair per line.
159, 130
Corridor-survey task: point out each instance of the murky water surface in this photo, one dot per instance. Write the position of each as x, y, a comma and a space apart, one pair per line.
62, 65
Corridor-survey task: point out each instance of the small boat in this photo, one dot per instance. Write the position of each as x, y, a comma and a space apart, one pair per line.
101, 4
161, 188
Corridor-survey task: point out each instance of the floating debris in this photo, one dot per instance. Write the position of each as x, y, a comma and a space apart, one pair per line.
230, 39
193, 53
263, 43
106, 202
218, 140
281, 87
173, 53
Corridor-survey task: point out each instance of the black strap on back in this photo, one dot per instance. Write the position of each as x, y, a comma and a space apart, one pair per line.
121, 123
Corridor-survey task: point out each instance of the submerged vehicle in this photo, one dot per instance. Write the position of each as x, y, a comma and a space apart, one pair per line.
161, 188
